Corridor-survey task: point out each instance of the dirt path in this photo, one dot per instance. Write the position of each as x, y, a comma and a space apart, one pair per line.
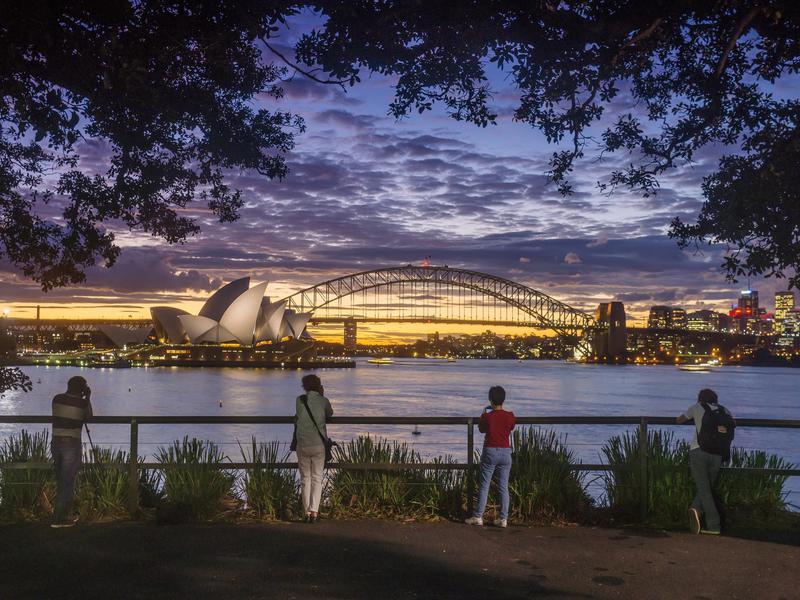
384, 560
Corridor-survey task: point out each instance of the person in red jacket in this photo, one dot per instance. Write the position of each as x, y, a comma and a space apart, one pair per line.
497, 423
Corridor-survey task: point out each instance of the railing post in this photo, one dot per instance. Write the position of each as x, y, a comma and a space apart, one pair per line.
643, 483
133, 469
470, 466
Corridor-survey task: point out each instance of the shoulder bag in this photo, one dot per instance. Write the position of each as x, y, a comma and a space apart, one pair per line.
326, 441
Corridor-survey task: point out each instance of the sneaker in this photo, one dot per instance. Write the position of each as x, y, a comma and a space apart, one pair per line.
710, 531
501, 523
474, 521
694, 521
63, 524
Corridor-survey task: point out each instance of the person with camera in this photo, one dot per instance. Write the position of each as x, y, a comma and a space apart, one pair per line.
710, 447
70, 411
311, 442
497, 423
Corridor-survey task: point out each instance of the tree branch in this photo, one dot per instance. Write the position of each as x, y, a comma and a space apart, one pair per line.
740, 27
340, 82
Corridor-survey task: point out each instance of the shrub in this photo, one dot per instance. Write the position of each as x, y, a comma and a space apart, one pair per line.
543, 485
25, 493
670, 488
102, 487
270, 492
753, 497
194, 480
670, 485
407, 493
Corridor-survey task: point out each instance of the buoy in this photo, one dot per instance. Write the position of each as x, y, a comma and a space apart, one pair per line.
220, 403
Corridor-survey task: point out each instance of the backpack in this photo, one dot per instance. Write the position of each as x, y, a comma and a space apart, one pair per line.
716, 432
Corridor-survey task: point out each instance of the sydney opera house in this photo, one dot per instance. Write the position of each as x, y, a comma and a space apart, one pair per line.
237, 324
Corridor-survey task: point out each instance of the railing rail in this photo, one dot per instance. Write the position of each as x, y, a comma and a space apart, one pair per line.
641, 422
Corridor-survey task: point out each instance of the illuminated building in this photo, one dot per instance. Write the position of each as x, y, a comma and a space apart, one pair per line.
787, 319
705, 320
236, 313
679, 320
747, 313
667, 317
350, 334
784, 304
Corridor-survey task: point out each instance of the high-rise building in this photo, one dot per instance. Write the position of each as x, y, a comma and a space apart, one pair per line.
350, 334
747, 313
667, 317
784, 304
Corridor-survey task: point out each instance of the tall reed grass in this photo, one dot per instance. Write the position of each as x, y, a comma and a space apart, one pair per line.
412, 493
26, 493
195, 485
102, 486
543, 485
270, 492
670, 486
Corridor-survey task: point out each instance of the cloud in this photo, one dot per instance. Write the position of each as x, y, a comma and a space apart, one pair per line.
571, 258
524, 259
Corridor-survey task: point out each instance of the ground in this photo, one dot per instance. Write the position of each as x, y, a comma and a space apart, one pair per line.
385, 560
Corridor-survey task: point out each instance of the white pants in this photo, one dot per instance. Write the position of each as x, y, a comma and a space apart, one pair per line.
311, 463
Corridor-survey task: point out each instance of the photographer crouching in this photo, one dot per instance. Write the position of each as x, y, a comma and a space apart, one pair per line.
70, 412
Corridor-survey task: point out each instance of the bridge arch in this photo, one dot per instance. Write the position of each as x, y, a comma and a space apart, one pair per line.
543, 310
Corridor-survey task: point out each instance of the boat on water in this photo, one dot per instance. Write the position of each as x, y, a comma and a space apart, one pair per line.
119, 363
380, 361
440, 358
706, 366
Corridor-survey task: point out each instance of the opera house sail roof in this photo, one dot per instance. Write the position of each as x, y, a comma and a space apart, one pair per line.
236, 313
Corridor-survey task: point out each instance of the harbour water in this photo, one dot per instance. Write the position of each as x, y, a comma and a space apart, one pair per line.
425, 388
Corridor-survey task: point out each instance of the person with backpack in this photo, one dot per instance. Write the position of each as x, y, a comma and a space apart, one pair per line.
711, 446
311, 442
70, 412
497, 423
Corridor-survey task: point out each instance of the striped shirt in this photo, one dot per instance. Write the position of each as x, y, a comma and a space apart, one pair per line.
69, 413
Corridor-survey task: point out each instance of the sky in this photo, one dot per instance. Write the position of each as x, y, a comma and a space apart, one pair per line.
366, 191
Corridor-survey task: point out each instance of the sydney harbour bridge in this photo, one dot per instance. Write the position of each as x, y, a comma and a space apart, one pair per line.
420, 294
442, 294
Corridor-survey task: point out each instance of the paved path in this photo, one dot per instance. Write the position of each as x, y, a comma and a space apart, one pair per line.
384, 560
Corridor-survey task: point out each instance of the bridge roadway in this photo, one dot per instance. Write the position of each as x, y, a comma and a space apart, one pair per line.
372, 559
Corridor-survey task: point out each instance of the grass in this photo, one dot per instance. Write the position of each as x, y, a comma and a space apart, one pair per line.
194, 484
270, 492
25, 493
670, 485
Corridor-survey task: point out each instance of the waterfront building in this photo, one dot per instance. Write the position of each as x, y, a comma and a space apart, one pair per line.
236, 313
